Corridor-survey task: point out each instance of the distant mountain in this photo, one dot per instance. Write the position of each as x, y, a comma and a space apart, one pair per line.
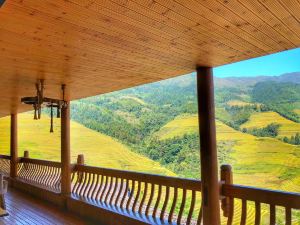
251, 81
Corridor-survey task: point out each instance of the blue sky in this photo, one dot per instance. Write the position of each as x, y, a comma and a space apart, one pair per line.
270, 65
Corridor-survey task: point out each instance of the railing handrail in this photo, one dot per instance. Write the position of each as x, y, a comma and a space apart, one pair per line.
5, 157
41, 162
267, 196
184, 183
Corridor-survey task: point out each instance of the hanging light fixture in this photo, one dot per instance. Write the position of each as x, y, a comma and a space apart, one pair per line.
40, 101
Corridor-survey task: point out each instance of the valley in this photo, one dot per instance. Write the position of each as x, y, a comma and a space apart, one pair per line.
154, 128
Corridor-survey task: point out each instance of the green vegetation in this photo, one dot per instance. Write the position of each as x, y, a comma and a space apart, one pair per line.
279, 97
294, 140
271, 130
287, 128
98, 149
154, 128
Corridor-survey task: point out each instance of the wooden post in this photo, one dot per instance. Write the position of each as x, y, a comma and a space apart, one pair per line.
13, 145
80, 161
227, 203
65, 151
26, 154
208, 149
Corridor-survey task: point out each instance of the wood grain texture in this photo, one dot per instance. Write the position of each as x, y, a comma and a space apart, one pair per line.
208, 148
99, 46
24, 209
141, 196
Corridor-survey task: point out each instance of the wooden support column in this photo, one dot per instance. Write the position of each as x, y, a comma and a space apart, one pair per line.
208, 149
65, 151
13, 145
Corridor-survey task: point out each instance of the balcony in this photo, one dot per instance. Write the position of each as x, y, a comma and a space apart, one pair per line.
108, 196
80, 49
25, 209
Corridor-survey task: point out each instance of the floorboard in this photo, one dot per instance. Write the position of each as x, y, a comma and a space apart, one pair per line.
24, 209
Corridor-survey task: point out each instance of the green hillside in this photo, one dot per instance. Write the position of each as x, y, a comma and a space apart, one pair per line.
181, 125
262, 119
297, 111
98, 149
263, 162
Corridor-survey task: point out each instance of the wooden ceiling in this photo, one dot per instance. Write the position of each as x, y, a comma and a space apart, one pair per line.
99, 46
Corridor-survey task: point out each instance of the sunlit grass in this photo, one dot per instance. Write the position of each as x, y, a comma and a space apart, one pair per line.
262, 119
98, 149
239, 103
181, 125
258, 162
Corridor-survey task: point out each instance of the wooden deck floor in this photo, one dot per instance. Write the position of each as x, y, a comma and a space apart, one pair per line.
24, 209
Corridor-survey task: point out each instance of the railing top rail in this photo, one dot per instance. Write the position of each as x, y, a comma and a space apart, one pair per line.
190, 184
5, 157
41, 162
272, 197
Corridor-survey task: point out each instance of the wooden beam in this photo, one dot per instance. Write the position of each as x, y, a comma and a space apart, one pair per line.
208, 149
65, 151
13, 145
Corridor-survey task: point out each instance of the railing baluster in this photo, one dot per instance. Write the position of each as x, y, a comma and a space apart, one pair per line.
157, 201
45, 175
76, 185
231, 211
83, 183
119, 193
32, 171
131, 194
244, 212
192, 207
143, 198
199, 220
53, 176
257, 213
39, 174
108, 190
91, 186
179, 218
173, 205
113, 195
150, 199
49, 175
134, 206
98, 195
288, 216
104, 188
124, 194
163, 210
86, 186
94, 192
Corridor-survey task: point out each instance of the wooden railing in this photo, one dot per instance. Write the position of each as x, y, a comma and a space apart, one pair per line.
275, 204
158, 199
45, 174
151, 197
5, 164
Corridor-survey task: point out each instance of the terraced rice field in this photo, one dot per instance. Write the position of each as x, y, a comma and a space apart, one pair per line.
238, 103
297, 111
262, 162
259, 162
98, 149
181, 125
262, 119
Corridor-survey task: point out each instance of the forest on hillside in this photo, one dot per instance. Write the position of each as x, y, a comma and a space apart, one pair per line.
137, 116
